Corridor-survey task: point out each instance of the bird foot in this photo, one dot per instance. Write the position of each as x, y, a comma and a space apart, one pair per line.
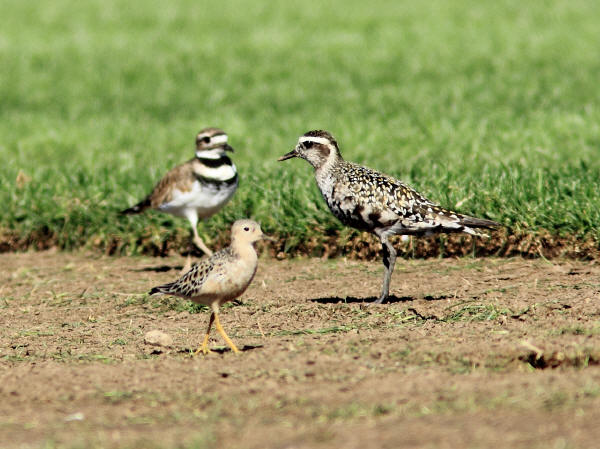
380, 300
202, 247
202, 349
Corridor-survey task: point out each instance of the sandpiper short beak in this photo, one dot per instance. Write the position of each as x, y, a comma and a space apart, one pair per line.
227, 147
289, 155
270, 239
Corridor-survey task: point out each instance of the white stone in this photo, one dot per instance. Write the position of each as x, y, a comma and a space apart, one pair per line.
158, 338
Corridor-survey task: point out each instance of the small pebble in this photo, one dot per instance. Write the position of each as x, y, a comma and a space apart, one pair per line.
75, 417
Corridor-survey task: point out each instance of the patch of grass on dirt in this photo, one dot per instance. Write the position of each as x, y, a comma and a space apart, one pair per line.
577, 330
164, 303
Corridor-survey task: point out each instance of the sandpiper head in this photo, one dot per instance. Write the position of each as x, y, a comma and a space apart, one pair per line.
316, 147
246, 231
211, 143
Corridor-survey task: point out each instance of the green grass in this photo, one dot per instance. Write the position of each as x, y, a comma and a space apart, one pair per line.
493, 106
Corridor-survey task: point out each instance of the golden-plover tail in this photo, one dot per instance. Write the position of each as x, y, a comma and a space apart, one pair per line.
371, 201
198, 188
221, 277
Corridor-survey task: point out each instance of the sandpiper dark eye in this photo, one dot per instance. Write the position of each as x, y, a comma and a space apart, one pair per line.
308, 144
246, 228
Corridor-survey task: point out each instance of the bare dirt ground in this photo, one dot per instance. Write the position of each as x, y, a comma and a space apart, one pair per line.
470, 353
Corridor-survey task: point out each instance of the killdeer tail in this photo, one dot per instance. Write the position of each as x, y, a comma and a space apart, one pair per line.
138, 208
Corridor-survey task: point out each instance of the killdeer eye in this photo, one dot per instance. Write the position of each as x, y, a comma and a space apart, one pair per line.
206, 139
246, 228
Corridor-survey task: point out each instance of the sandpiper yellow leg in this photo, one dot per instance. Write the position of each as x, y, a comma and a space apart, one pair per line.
204, 348
224, 335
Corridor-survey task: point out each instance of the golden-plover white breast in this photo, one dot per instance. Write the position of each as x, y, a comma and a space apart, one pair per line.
371, 201
221, 277
198, 188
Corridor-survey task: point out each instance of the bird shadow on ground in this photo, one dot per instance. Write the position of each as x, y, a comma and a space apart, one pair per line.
159, 268
370, 299
220, 350
436, 297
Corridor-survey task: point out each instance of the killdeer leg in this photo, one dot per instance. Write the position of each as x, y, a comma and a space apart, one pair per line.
188, 261
200, 244
188, 265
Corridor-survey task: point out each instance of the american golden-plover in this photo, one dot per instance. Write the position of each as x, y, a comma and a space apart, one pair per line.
371, 201
198, 188
221, 277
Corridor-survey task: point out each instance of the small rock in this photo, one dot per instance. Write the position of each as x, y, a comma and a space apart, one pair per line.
75, 417
158, 338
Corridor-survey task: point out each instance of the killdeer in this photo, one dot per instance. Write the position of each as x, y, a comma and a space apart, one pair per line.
371, 201
220, 278
198, 188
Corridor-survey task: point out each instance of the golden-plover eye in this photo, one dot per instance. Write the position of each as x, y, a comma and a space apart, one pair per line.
246, 228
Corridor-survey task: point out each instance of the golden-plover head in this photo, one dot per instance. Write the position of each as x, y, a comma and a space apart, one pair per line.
316, 147
246, 231
211, 143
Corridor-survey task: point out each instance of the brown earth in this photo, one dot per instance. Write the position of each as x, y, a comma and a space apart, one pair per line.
471, 353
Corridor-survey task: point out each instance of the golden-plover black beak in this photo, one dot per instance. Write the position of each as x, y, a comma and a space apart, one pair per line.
289, 155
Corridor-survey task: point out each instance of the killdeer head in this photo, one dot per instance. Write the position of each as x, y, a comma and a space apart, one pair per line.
317, 147
211, 143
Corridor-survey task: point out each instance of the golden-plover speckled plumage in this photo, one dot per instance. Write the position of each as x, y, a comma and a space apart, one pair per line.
221, 277
198, 188
371, 201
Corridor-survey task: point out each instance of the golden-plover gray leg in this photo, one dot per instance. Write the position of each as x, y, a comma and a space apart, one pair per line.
204, 348
389, 260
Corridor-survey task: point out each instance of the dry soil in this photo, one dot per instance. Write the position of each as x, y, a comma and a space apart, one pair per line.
469, 353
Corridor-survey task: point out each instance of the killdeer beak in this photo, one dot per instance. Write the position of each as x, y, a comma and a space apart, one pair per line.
227, 147
289, 155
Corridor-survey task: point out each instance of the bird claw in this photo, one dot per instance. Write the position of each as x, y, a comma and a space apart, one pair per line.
380, 300
202, 349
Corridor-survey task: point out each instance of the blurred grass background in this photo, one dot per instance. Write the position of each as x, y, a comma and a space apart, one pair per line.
493, 106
